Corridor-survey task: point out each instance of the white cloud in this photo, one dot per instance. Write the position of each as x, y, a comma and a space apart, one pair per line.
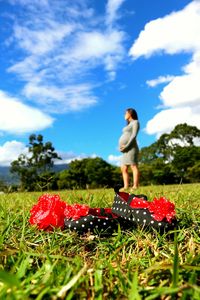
159, 80
60, 47
27, 69
114, 159
183, 143
97, 44
10, 151
74, 98
184, 90
29, 2
100, 48
167, 119
42, 41
69, 156
175, 33
112, 9
18, 118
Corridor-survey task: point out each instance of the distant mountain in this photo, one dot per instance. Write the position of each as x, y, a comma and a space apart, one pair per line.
6, 176
61, 167
10, 178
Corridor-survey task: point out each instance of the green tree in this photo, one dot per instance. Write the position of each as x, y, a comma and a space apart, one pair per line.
3, 185
89, 173
98, 173
148, 154
193, 172
171, 157
185, 134
146, 173
185, 158
157, 172
74, 177
65, 181
35, 169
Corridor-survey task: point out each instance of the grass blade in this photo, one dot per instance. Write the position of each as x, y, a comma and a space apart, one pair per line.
134, 295
71, 283
175, 274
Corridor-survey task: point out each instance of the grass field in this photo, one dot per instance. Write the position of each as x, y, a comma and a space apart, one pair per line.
127, 265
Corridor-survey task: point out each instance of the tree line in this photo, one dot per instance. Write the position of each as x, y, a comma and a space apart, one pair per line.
173, 158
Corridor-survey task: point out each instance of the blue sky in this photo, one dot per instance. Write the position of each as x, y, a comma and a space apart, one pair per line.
69, 69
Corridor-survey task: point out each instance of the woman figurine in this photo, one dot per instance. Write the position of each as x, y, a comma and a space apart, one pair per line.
128, 146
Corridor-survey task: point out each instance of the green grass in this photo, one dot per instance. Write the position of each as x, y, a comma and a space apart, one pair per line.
127, 265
